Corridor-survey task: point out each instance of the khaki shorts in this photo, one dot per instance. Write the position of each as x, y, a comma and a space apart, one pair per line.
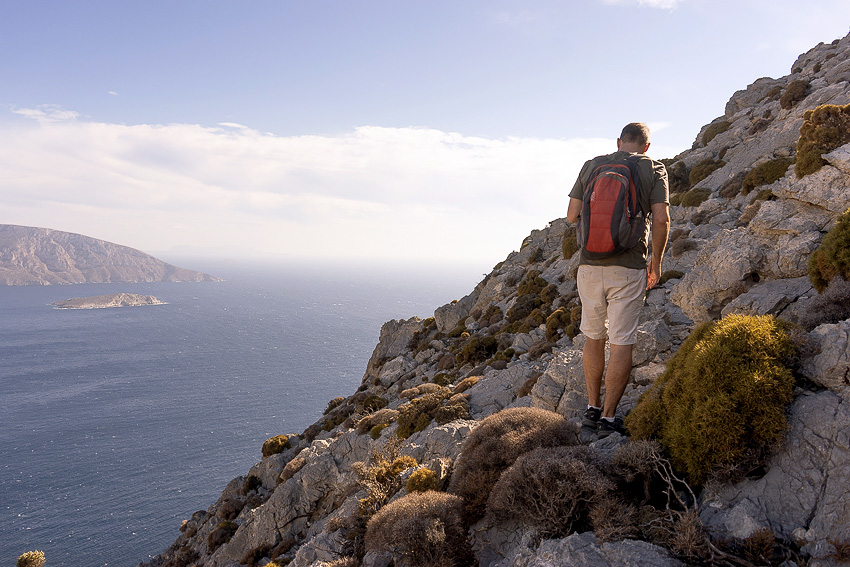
611, 299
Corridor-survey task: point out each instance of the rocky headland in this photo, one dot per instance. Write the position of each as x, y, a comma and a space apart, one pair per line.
465, 404
41, 256
108, 300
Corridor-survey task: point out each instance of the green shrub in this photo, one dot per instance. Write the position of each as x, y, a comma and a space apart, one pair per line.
766, 173
496, 443
557, 322
824, 129
569, 246
523, 306
794, 93
375, 432
451, 412
422, 480
383, 417
457, 331
703, 169
275, 445
536, 257
531, 284
670, 275
334, 403
551, 490
31, 559
713, 130
692, 198
677, 175
832, 258
765, 195
719, 407
477, 350
252, 482
422, 529
374, 403
442, 379
416, 415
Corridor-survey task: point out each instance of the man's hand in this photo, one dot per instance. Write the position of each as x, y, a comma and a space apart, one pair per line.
652, 277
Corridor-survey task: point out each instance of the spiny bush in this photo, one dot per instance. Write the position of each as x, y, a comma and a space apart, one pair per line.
732, 187
766, 173
333, 404
416, 415
556, 323
421, 530
31, 559
451, 412
832, 257
291, 468
382, 417
765, 195
373, 403
719, 407
275, 445
221, 535
466, 384
496, 443
422, 480
703, 169
713, 130
229, 509
551, 489
825, 128
381, 478
794, 93
569, 246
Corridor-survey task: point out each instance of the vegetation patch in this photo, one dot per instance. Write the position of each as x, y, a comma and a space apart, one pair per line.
794, 93
477, 350
703, 169
766, 173
825, 128
496, 443
531, 284
692, 198
275, 445
569, 246
677, 175
31, 559
422, 480
417, 414
832, 258
719, 407
221, 535
714, 129
832, 305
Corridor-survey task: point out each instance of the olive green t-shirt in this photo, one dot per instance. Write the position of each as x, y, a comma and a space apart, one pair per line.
653, 189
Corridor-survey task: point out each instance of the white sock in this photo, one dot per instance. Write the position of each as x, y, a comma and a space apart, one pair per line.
593, 407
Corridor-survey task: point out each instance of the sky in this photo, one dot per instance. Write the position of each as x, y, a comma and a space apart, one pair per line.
389, 130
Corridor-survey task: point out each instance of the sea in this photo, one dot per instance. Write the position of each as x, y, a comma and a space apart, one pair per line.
117, 424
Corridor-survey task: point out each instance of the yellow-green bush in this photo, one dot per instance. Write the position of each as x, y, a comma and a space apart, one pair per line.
703, 169
422, 480
713, 130
569, 246
557, 322
477, 350
832, 258
416, 415
824, 129
31, 559
766, 173
692, 198
275, 445
719, 407
496, 443
531, 284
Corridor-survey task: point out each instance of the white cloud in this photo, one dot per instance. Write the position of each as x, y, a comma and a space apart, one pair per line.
658, 4
372, 192
47, 113
113, 93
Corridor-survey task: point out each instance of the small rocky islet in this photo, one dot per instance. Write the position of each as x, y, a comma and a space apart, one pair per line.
107, 301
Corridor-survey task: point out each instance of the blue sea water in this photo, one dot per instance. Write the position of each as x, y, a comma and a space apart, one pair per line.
117, 424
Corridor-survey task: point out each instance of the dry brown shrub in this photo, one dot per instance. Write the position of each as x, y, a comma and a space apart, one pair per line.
344, 562
466, 384
381, 417
551, 489
229, 508
496, 443
528, 385
613, 519
420, 530
689, 538
758, 547
635, 463
291, 468
409, 393
428, 388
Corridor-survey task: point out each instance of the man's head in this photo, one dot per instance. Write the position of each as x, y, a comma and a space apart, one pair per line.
634, 138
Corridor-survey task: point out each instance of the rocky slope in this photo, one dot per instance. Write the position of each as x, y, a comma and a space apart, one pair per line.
736, 251
41, 256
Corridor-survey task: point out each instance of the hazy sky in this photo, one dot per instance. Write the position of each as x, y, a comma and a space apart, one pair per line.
416, 130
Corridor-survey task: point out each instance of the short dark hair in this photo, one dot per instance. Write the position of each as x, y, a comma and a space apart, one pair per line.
635, 132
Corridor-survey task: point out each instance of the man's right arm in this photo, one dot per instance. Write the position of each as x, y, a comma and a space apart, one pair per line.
574, 210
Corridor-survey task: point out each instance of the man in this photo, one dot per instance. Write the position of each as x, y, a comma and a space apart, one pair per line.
612, 290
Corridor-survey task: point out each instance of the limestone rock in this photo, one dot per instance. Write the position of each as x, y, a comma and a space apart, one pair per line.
769, 298
830, 367
561, 388
840, 158
393, 341
826, 188
582, 550
653, 338
448, 316
496, 390
803, 495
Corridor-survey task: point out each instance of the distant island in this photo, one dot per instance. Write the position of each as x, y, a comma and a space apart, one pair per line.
109, 300
42, 256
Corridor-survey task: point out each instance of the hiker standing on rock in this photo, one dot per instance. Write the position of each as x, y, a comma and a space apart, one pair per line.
613, 200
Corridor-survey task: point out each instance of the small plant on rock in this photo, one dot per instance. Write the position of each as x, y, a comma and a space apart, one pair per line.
713, 130
422, 480
766, 173
31, 559
794, 93
275, 445
569, 246
832, 258
703, 169
221, 535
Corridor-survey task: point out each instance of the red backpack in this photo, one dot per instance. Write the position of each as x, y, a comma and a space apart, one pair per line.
612, 220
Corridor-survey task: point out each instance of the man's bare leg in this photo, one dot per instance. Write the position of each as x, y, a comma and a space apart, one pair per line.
593, 361
616, 376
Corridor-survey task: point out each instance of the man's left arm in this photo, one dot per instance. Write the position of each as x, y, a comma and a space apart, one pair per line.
660, 229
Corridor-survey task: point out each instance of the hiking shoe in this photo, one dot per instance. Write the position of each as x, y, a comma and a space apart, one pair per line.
589, 425
606, 427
